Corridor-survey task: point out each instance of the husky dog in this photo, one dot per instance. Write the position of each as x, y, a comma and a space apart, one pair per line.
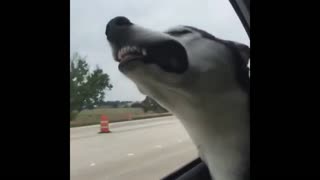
201, 79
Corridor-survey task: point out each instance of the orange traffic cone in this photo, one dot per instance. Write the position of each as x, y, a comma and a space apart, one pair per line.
104, 124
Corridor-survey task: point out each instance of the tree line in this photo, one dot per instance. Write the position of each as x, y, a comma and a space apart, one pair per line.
87, 89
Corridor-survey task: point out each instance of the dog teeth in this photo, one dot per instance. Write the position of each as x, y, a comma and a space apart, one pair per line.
127, 50
134, 49
144, 52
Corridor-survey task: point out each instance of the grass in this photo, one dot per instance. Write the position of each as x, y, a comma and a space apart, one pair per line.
91, 117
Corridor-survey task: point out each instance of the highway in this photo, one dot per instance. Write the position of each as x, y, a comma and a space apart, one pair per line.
134, 150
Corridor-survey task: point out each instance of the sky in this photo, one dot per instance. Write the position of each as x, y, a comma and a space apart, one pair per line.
89, 18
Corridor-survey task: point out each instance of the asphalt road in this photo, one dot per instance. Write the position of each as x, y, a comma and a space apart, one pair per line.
137, 150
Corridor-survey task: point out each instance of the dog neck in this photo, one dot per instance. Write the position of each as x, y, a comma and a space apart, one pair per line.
219, 125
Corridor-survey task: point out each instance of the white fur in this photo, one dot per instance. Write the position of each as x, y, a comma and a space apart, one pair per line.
206, 98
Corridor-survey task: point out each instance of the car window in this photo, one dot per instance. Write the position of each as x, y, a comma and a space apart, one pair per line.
118, 133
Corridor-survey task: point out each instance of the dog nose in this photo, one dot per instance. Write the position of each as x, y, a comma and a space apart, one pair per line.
115, 24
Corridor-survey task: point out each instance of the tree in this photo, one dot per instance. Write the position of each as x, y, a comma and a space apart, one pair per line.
87, 89
151, 105
136, 105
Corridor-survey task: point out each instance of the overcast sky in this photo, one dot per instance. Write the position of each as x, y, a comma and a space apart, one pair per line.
89, 19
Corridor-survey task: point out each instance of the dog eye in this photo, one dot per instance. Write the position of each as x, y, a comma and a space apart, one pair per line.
178, 33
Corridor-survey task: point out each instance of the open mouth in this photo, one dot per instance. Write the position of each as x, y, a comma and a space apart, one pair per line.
170, 55
130, 53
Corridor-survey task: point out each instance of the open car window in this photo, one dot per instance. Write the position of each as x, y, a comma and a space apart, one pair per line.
125, 134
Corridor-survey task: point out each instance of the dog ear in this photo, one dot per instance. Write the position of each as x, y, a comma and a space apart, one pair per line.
243, 50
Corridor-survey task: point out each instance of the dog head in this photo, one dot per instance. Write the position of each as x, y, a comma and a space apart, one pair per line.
181, 59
